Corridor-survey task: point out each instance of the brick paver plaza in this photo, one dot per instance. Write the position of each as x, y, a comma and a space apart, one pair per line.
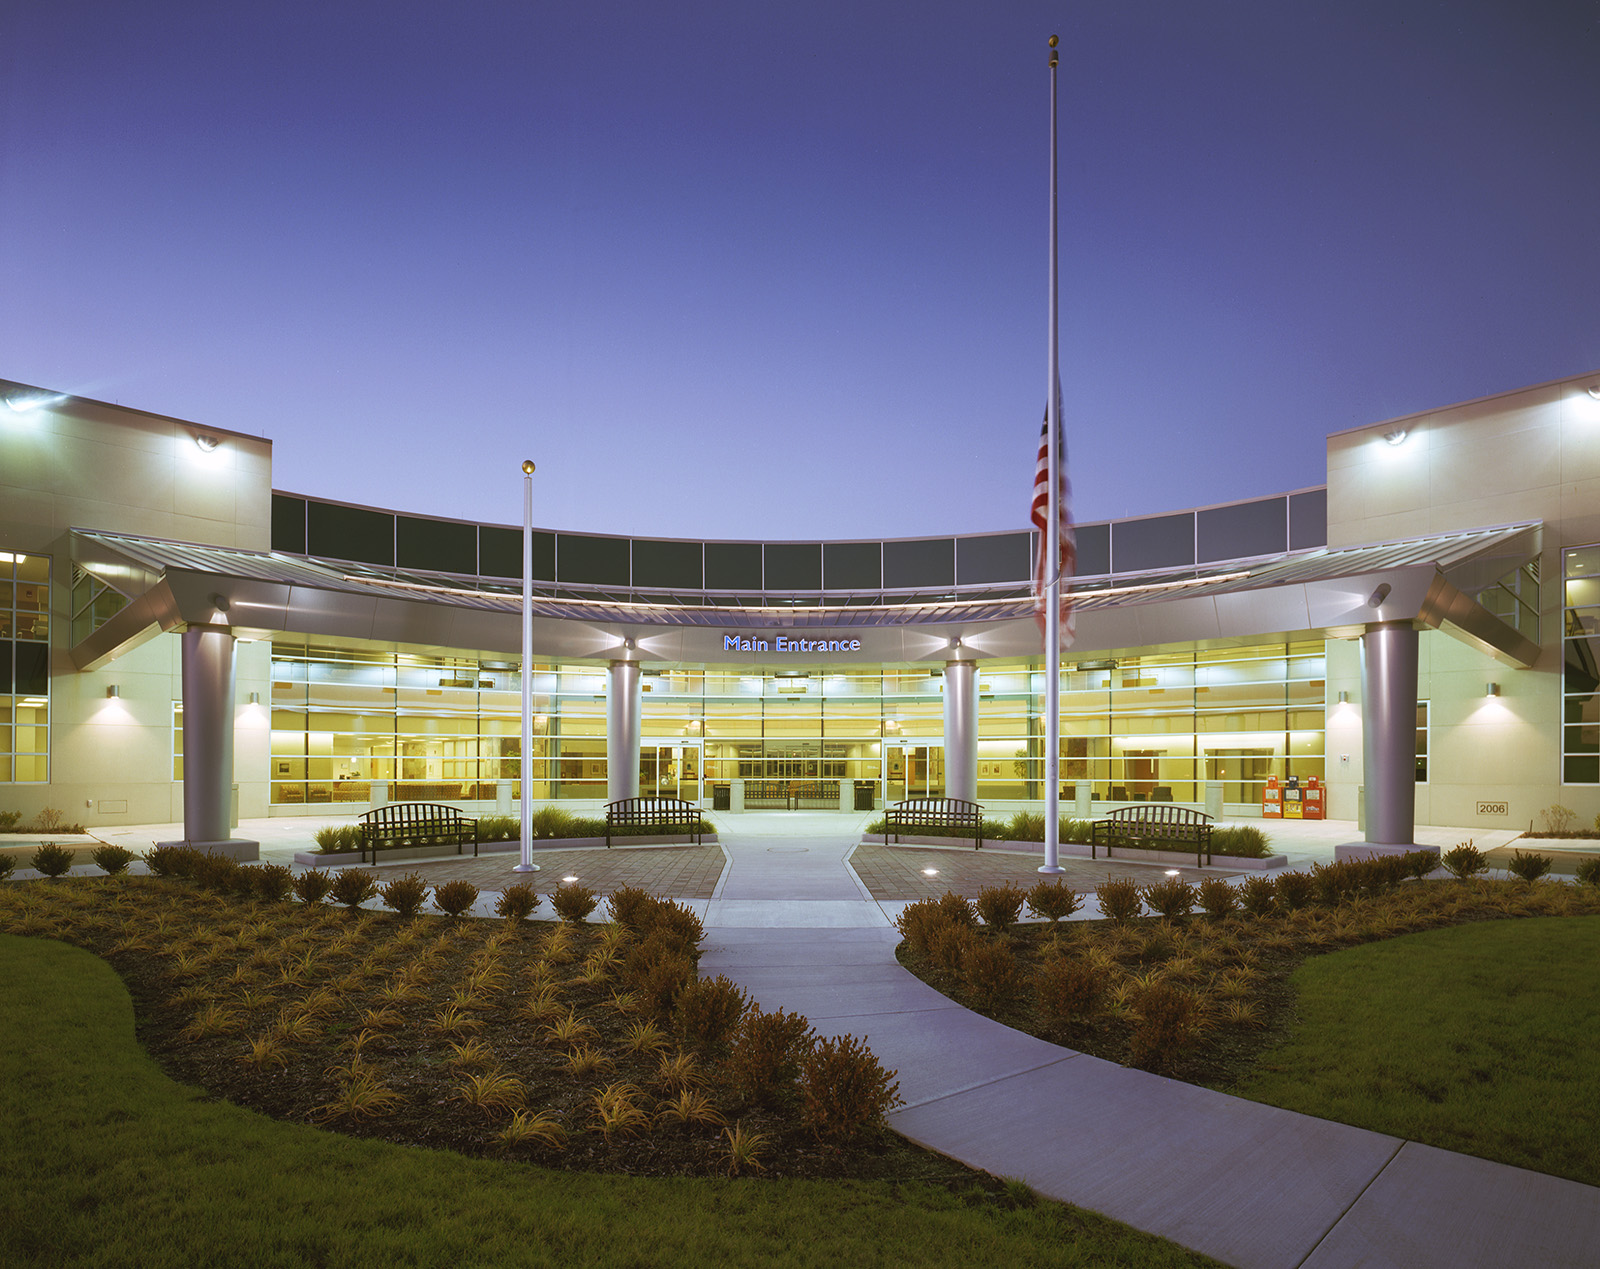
899, 872
678, 872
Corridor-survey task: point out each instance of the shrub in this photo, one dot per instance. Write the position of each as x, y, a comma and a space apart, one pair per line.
1242, 841
706, 1011
658, 968
764, 1054
1419, 863
111, 859
1066, 988
1464, 861
918, 923
50, 859
1558, 820
1258, 896
844, 1089
1053, 900
949, 946
338, 839
1588, 872
991, 973
1166, 1022
1217, 897
272, 883
677, 925
7, 863
312, 886
1335, 882
1294, 890
50, 820
1119, 898
958, 909
1001, 905
168, 861
1172, 897
405, 895
9, 820
218, 873
516, 903
573, 902
455, 897
632, 908
1529, 867
352, 887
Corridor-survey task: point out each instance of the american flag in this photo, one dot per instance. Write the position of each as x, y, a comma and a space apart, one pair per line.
1040, 515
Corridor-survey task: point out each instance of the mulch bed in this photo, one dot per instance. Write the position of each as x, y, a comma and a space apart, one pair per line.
179, 949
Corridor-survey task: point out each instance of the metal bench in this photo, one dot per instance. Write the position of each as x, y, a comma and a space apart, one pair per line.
762, 795
663, 815
416, 824
1154, 826
935, 817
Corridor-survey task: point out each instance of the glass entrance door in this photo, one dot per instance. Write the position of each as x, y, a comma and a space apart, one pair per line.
670, 771
913, 771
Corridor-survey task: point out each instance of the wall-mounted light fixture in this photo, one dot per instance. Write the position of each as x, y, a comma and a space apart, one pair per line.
112, 692
206, 442
1395, 437
21, 402
255, 698
219, 603
1594, 391
1344, 698
1379, 595
1491, 689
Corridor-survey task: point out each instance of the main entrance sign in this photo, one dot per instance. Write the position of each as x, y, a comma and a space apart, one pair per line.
784, 643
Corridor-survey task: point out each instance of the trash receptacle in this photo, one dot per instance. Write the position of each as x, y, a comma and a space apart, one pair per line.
721, 797
866, 794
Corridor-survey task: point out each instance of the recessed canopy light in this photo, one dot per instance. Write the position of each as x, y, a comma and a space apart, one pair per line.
206, 443
1594, 391
930, 872
1396, 436
569, 879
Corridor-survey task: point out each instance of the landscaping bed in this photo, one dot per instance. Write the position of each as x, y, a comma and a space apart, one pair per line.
552, 1043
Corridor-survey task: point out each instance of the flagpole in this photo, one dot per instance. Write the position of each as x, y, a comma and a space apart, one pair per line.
527, 864
1052, 599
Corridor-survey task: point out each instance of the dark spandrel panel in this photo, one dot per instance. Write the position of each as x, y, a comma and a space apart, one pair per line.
852, 565
1250, 528
289, 524
500, 553
1308, 519
666, 564
437, 546
33, 669
921, 562
595, 561
349, 533
793, 565
1156, 542
1003, 557
733, 566
1094, 550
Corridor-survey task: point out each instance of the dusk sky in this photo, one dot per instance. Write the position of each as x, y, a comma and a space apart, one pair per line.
748, 270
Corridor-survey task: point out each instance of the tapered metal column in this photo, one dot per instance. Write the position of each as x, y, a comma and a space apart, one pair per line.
208, 690
622, 731
961, 730
1389, 731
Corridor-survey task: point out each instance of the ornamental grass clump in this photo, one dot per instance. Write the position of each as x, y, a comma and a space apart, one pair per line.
1171, 897
111, 859
1025, 826
1001, 905
1242, 841
1119, 898
455, 897
405, 895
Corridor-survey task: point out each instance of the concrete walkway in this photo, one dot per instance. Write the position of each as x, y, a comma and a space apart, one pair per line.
1252, 1185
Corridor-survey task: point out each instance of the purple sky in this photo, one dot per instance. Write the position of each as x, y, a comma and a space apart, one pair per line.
756, 270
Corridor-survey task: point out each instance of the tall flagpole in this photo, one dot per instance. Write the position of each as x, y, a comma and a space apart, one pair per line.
527, 864
1052, 597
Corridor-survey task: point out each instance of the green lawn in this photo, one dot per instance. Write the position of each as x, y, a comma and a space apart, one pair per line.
1479, 1038
106, 1161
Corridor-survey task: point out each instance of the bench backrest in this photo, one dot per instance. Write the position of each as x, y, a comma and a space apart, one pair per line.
416, 817
1159, 813
649, 810
938, 806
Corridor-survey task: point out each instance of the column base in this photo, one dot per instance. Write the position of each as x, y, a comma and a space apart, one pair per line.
240, 848
1374, 850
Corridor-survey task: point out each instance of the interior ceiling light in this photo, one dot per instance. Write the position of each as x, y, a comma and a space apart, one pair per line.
1396, 436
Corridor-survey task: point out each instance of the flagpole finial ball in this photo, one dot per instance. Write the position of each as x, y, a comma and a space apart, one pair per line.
1054, 40
527, 466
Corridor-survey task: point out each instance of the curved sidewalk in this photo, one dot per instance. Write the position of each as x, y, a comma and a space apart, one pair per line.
1249, 1184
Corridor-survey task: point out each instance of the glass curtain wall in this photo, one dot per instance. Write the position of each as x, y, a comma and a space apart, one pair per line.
1580, 727
24, 668
1155, 728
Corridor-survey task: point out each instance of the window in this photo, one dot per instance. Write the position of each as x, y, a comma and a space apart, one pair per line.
1580, 687
1422, 742
24, 668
